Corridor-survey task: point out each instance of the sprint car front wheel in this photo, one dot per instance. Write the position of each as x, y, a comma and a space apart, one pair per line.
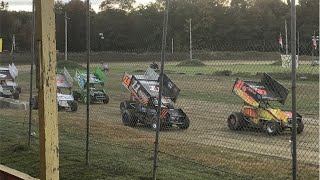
185, 124
235, 121
300, 127
106, 101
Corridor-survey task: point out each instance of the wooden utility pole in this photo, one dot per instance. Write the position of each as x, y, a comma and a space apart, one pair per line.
46, 84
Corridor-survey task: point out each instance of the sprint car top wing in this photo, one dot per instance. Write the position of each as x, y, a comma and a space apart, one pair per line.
9, 73
64, 79
254, 93
97, 77
148, 85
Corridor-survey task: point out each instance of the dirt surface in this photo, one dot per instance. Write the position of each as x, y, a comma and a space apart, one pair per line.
208, 126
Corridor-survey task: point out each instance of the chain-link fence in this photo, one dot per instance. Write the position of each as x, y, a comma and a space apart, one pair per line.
226, 105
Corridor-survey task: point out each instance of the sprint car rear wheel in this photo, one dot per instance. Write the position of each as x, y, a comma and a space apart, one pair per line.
16, 95
76, 95
272, 127
128, 118
235, 121
74, 106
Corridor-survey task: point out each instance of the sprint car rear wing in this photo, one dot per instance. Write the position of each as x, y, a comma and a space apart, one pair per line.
96, 77
9, 73
147, 85
255, 93
64, 79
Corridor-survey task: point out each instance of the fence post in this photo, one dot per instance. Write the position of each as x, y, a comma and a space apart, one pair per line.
46, 72
31, 70
294, 85
88, 81
163, 57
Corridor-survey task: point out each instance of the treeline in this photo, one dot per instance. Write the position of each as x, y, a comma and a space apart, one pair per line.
120, 26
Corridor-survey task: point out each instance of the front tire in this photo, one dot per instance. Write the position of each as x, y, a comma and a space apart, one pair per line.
235, 121
106, 101
300, 127
186, 123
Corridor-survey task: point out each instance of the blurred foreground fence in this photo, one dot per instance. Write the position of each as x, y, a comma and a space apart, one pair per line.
224, 140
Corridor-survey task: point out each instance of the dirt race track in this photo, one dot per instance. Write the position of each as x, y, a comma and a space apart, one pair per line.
208, 126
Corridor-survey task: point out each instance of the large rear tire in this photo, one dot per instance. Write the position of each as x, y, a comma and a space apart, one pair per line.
128, 118
272, 127
74, 106
236, 121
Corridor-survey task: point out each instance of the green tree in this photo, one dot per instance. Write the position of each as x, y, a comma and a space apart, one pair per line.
4, 6
126, 5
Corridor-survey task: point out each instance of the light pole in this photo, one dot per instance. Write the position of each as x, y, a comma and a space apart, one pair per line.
101, 36
172, 46
66, 36
190, 34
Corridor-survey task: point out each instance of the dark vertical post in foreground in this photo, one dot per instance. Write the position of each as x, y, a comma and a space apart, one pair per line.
294, 85
163, 57
88, 81
31, 70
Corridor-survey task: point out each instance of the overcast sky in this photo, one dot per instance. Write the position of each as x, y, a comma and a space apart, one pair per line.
26, 5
